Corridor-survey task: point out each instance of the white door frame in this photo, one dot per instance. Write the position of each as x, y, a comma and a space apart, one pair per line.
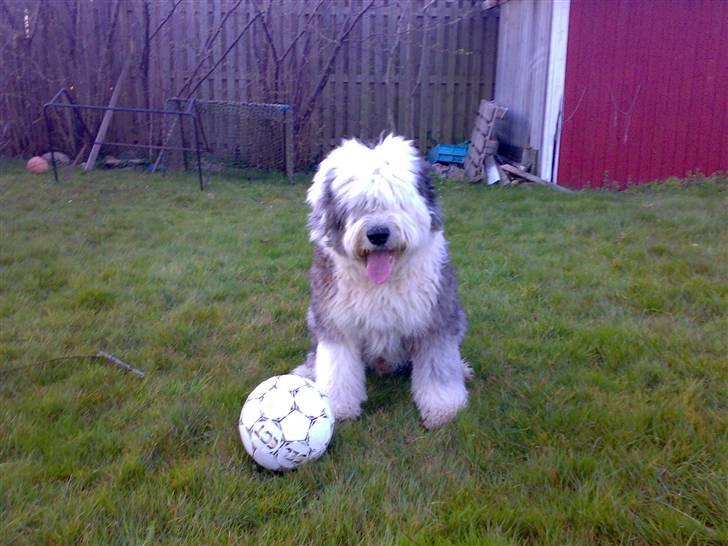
549, 156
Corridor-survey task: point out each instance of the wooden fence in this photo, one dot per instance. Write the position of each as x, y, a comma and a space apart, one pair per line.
346, 67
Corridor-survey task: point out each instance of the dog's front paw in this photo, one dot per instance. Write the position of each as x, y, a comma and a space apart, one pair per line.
439, 404
305, 370
345, 409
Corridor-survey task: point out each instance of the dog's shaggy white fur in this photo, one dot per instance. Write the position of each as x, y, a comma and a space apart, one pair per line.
383, 292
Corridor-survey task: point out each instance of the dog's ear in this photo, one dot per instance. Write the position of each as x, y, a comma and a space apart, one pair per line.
321, 180
427, 191
339, 158
319, 198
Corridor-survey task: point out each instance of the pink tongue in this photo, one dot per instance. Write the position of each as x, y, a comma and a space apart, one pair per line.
379, 266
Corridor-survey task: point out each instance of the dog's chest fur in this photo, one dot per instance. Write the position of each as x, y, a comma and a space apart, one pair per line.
379, 317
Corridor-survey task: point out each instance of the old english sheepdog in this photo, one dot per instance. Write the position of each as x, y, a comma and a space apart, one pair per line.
383, 291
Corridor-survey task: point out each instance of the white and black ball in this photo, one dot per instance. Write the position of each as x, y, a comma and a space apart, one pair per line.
286, 422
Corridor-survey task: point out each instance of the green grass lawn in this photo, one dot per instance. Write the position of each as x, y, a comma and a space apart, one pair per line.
598, 334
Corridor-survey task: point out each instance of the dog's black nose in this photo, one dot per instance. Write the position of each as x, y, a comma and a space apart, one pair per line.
378, 235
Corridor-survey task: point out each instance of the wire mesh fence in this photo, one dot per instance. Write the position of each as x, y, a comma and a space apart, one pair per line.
235, 135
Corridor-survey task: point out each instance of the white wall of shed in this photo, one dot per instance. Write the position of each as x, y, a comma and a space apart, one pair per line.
522, 72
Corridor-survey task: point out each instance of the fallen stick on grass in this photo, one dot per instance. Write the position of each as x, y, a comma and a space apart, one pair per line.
510, 169
99, 355
119, 362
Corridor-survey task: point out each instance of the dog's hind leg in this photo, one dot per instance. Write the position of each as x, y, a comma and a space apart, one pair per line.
438, 379
340, 374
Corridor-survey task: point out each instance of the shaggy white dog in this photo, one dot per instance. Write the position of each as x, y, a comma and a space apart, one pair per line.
383, 292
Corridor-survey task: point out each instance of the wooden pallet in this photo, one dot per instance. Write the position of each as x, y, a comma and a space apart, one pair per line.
482, 143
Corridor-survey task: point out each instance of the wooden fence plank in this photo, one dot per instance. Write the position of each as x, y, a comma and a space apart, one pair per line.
365, 72
476, 67
245, 56
91, 161
462, 124
424, 90
339, 119
392, 48
355, 76
489, 57
436, 78
379, 97
157, 87
449, 101
234, 61
405, 105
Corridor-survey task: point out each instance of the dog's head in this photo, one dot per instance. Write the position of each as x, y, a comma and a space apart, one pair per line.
373, 205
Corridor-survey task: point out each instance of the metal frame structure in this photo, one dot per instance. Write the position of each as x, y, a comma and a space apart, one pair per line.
190, 112
287, 127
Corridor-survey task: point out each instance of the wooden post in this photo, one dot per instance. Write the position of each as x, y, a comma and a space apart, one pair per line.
107, 117
72, 166
288, 120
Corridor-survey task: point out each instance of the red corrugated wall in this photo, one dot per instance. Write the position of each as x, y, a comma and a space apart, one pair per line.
646, 91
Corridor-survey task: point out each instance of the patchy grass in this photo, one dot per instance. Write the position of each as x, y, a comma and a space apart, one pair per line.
597, 331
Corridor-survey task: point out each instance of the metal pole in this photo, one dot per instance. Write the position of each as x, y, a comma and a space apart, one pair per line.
184, 141
50, 142
199, 155
55, 97
288, 121
79, 119
180, 114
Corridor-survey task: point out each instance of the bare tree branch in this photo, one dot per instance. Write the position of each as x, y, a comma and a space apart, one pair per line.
423, 56
164, 21
323, 80
222, 57
211, 39
390, 65
205, 56
110, 38
6, 12
34, 23
298, 88
263, 60
266, 32
300, 34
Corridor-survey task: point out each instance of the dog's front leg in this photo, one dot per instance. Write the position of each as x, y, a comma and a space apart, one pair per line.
340, 374
438, 380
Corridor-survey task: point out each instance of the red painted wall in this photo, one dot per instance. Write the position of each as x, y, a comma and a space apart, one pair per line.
646, 94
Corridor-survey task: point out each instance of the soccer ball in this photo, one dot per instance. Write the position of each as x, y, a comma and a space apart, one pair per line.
285, 422
37, 165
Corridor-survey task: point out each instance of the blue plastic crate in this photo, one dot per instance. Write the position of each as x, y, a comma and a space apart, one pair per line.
448, 153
